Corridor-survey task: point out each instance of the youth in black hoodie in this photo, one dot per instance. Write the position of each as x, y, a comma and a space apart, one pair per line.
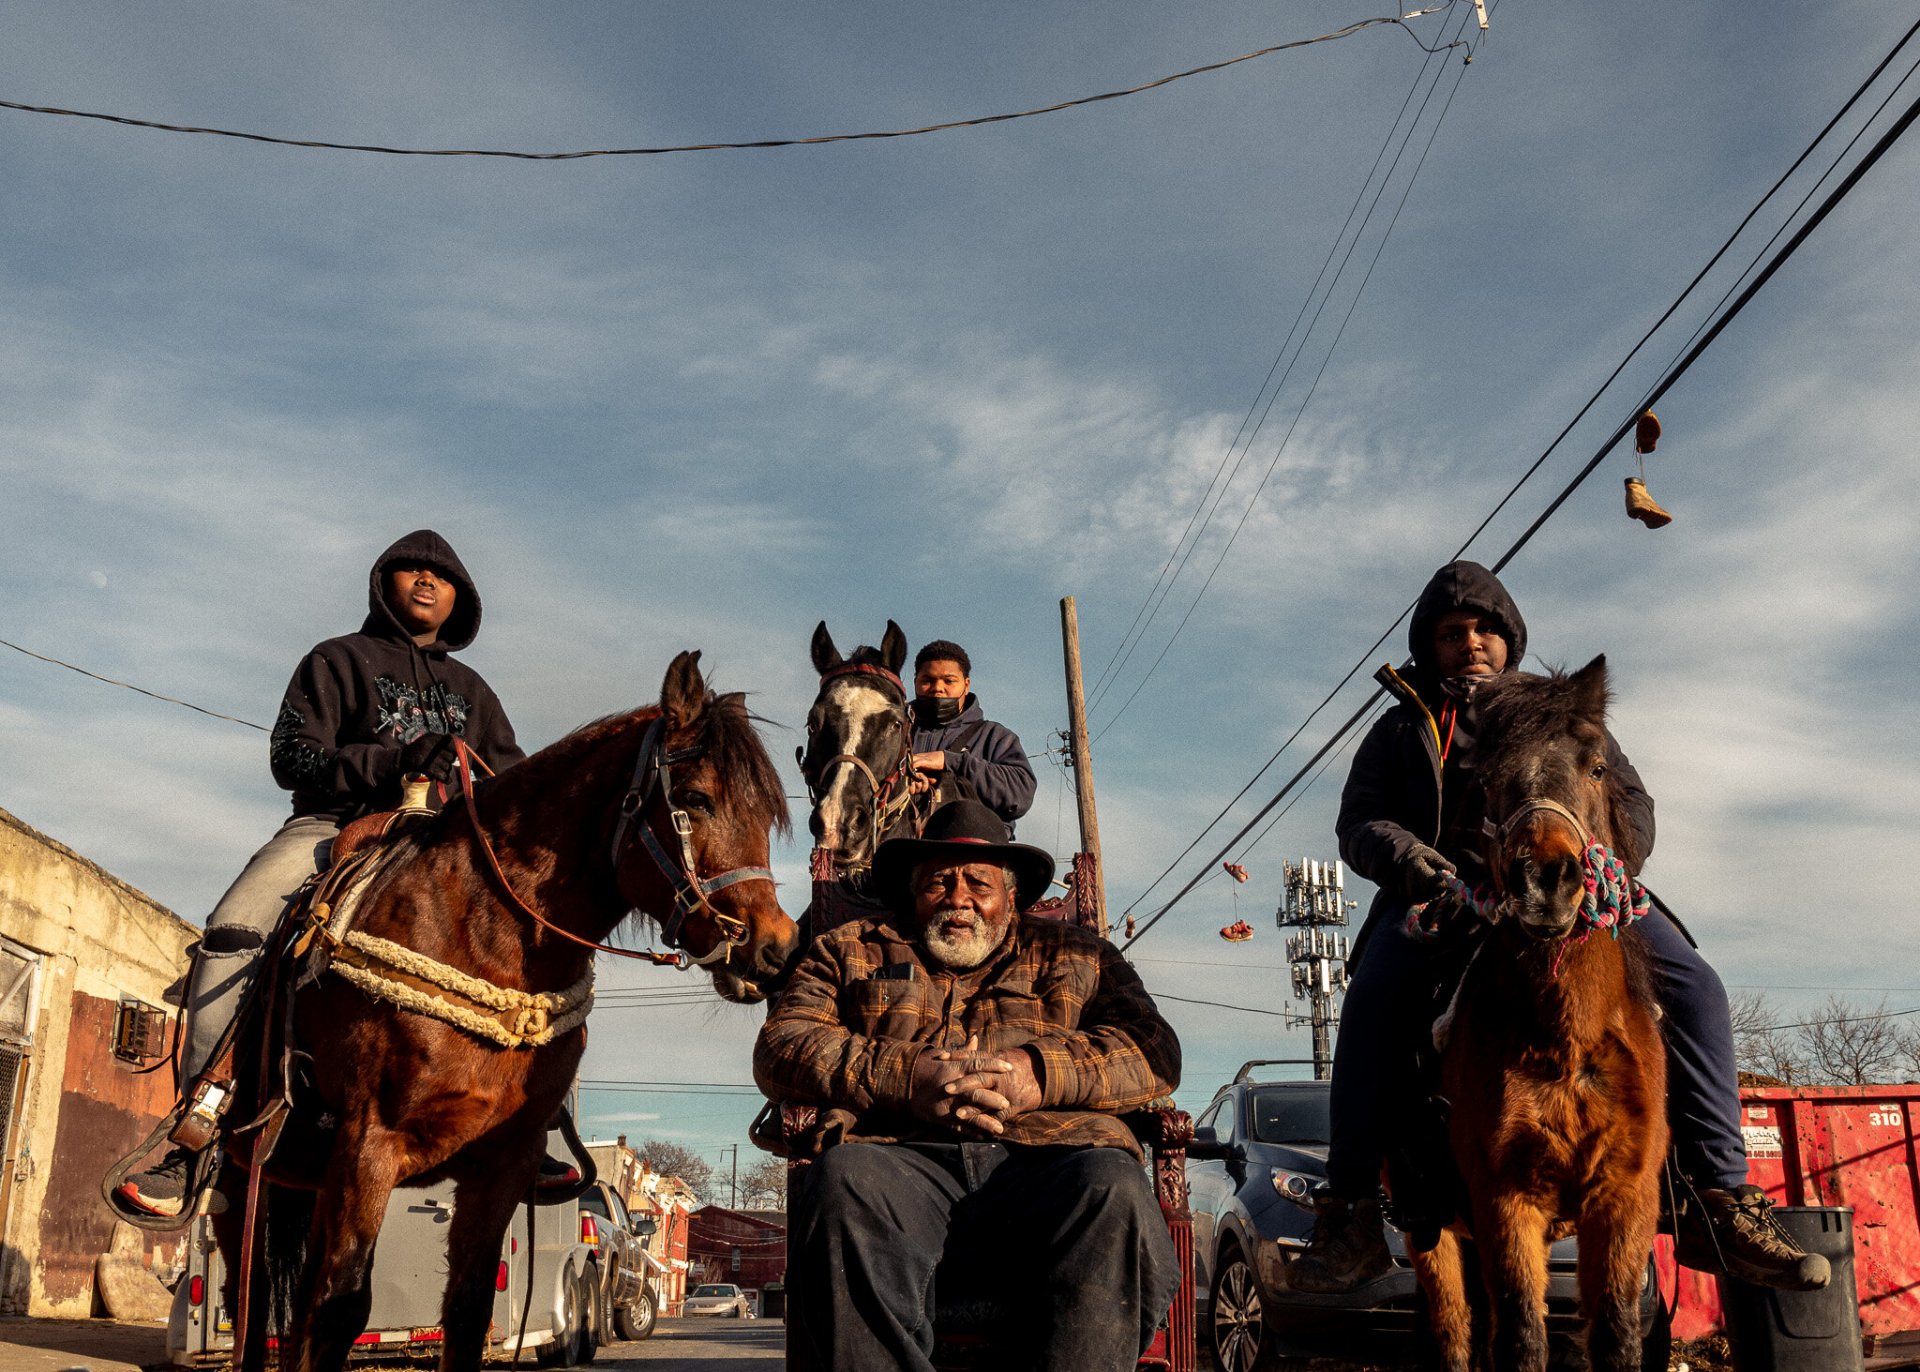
357, 701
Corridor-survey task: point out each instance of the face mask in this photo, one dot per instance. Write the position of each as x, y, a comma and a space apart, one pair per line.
931, 712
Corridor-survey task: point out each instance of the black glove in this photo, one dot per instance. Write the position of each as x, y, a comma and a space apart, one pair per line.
430, 755
1425, 873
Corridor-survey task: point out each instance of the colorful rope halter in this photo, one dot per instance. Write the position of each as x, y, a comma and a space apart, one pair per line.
1613, 899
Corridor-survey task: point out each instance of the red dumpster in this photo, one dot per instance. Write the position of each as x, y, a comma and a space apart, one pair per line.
1834, 1145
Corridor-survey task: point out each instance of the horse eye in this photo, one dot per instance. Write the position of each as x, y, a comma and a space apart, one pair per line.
1599, 771
696, 800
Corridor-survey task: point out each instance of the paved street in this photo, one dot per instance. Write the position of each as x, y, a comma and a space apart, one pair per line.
107, 1346
692, 1345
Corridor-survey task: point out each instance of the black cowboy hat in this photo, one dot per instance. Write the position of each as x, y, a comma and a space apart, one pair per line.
963, 831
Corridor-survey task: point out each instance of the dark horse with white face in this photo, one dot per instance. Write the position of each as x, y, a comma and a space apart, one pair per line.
662, 813
1553, 1062
858, 765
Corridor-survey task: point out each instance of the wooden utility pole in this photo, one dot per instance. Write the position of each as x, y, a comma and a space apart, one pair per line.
1082, 764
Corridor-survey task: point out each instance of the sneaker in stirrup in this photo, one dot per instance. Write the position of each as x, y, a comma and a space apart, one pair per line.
161, 1189
1347, 1248
1734, 1231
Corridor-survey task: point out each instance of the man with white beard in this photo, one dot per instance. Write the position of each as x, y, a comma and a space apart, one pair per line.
969, 1063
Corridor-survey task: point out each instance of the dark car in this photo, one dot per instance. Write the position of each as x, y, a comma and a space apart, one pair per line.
1259, 1149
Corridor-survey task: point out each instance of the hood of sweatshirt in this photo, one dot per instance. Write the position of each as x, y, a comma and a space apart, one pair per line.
1464, 586
424, 546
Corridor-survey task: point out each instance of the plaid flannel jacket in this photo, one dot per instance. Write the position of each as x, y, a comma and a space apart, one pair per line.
865, 1001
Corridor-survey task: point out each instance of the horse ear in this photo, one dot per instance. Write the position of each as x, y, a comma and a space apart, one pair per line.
893, 648
683, 695
825, 656
1591, 684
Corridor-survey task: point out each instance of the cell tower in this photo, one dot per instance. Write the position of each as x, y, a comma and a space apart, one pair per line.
1315, 904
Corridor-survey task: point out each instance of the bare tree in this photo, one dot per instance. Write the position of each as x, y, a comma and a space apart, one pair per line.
764, 1185
1759, 1045
1848, 1046
1910, 1049
677, 1160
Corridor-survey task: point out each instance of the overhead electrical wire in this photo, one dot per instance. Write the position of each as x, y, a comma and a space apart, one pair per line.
1150, 606
1366, 656
1701, 343
1300, 410
129, 686
1393, 20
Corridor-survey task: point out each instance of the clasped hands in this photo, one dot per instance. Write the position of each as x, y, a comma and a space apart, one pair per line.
975, 1092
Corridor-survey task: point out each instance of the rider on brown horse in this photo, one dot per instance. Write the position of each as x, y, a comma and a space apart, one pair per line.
1410, 819
362, 712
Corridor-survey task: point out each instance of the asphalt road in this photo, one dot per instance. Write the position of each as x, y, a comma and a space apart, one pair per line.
701, 1343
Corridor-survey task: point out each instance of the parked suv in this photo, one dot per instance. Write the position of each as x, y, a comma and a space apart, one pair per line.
1259, 1149
617, 1267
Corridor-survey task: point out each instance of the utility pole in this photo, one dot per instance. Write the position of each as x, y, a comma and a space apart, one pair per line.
1082, 762
1316, 902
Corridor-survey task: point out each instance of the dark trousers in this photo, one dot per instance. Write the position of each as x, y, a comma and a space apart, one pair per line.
1386, 1013
1059, 1255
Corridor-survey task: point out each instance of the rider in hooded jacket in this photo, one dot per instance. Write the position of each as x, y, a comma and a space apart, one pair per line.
362, 713
1410, 819
952, 735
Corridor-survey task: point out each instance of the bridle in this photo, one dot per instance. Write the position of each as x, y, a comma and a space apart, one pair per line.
651, 770
890, 796
1532, 805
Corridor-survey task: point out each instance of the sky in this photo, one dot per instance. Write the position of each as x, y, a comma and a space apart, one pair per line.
707, 400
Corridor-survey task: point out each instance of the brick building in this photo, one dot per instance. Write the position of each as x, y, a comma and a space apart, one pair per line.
746, 1247
667, 1200
86, 962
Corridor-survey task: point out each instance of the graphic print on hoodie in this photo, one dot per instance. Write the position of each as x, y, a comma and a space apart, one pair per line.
355, 701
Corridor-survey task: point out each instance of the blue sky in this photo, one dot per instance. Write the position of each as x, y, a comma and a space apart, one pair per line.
707, 400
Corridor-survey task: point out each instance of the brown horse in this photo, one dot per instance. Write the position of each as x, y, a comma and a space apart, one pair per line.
1553, 1062
661, 811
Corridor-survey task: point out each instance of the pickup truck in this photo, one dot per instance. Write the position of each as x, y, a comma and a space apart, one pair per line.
618, 1267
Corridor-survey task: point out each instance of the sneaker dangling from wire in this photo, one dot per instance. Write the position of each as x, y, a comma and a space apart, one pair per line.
1643, 507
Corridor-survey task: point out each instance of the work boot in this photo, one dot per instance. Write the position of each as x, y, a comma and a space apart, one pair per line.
1642, 506
1735, 1232
1347, 1248
162, 1189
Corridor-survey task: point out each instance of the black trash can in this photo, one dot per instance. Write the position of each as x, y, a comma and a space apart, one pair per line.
773, 1301
1800, 1331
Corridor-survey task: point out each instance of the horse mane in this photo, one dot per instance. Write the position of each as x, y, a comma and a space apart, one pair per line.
731, 741
1523, 710
866, 655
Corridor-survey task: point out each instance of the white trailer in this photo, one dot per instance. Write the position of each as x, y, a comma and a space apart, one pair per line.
409, 1274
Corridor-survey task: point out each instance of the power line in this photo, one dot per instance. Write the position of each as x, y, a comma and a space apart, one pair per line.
1838, 1019
1397, 21
129, 686
1325, 361
1222, 1005
1150, 607
1670, 378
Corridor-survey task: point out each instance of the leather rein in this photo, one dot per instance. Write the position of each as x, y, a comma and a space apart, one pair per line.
652, 770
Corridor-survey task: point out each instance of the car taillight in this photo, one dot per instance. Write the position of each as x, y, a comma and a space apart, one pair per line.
197, 1291
589, 1231
499, 1278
